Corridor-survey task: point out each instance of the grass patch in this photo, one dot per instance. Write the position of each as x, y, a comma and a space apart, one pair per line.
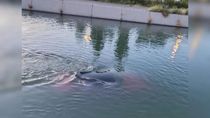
167, 11
182, 11
167, 7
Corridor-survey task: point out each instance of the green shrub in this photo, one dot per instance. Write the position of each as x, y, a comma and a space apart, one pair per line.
156, 8
167, 11
168, 3
182, 11
166, 7
160, 8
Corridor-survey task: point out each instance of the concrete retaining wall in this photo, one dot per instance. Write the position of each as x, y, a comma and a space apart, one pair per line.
77, 8
105, 11
135, 14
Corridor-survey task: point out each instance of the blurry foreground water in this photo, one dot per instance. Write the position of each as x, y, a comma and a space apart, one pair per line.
10, 56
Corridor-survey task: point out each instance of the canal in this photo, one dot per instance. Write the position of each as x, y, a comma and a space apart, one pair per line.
151, 63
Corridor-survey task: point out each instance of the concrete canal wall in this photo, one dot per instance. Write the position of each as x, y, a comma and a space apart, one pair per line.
105, 11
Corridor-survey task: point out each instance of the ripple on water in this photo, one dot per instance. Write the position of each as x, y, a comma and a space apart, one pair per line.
41, 68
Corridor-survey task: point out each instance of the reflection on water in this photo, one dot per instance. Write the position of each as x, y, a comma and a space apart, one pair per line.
121, 50
150, 38
138, 56
176, 46
97, 40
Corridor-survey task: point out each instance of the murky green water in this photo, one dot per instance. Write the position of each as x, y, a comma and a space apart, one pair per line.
150, 62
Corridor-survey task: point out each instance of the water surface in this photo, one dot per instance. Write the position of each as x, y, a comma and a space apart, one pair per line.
151, 62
